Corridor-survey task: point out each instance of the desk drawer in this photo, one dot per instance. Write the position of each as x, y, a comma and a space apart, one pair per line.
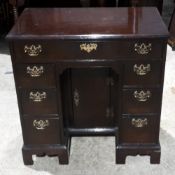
35, 75
139, 129
139, 101
51, 50
142, 73
41, 131
39, 101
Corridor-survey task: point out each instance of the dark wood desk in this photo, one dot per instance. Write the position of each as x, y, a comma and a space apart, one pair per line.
79, 75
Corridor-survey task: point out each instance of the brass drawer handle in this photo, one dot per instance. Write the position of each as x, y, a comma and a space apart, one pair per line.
142, 95
76, 97
143, 49
33, 50
37, 97
142, 69
88, 47
139, 123
40, 124
35, 71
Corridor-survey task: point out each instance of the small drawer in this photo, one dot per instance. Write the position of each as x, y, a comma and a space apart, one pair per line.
41, 131
140, 101
142, 73
139, 129
53, 50
39, 101
35, 75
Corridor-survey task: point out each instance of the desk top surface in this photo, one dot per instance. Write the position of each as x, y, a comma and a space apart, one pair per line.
78, 23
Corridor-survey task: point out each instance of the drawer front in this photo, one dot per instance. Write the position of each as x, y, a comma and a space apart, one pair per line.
35, 75
39, 101
139, 129
51, 50
41, 131
142, 73
140, 101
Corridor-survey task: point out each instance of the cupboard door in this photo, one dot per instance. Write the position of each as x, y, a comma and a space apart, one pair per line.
91, 98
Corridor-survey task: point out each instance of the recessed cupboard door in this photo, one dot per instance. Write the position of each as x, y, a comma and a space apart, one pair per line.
91, 98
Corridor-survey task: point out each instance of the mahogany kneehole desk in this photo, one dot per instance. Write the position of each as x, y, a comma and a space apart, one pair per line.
86, 72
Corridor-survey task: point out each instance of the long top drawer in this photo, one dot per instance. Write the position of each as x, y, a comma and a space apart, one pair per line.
85, 50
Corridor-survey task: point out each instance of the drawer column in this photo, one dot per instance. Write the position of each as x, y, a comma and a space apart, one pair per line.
139, 120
